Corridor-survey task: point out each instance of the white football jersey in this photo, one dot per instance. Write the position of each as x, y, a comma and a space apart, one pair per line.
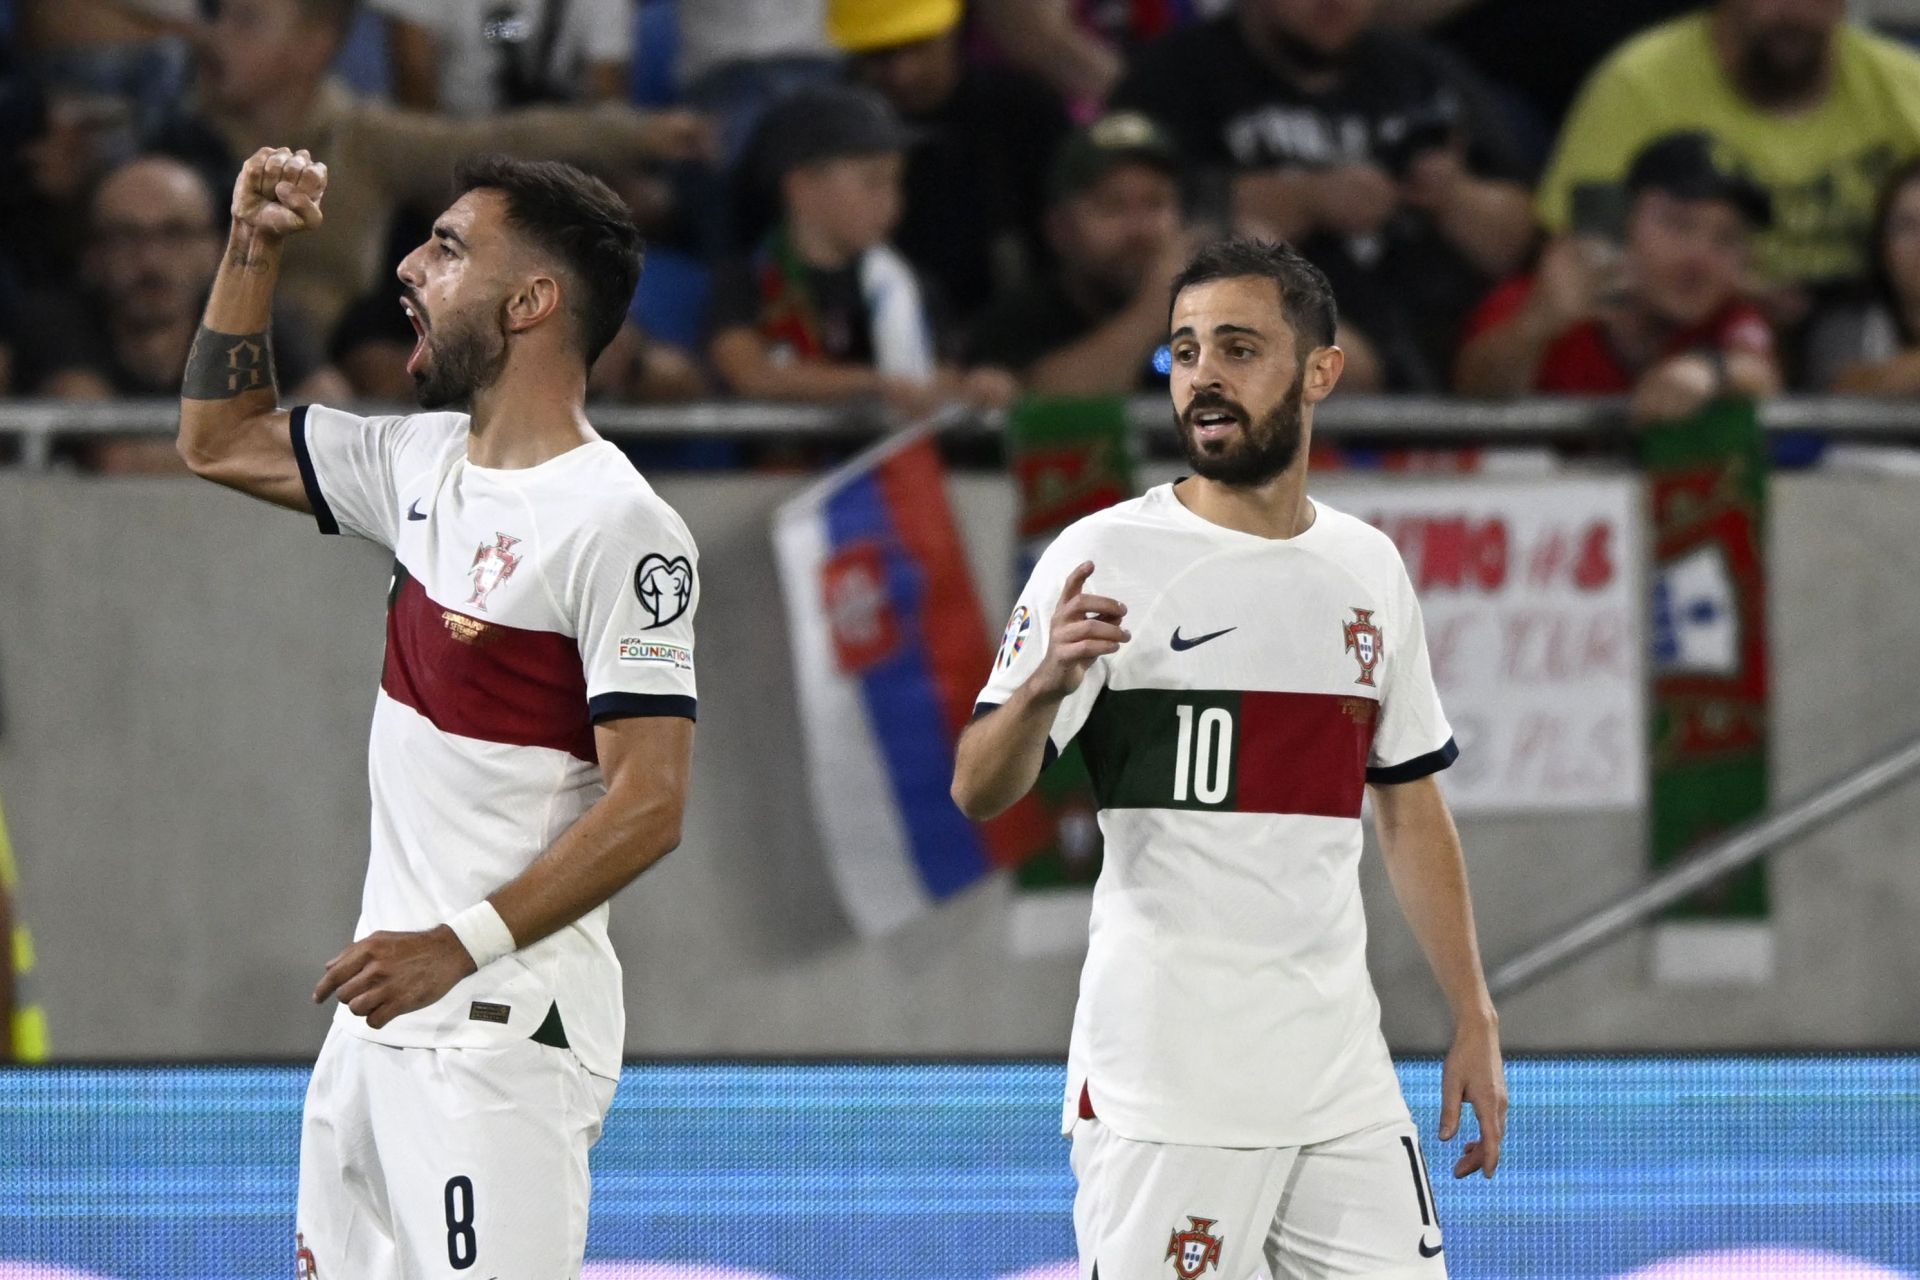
1225, 999
527, 606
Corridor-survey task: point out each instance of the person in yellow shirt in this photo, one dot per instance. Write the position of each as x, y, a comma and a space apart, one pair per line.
1816, 109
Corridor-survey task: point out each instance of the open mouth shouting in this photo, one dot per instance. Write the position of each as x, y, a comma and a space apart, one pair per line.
417, 314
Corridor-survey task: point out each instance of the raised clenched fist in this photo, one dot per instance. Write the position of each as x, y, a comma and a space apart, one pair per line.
278, 192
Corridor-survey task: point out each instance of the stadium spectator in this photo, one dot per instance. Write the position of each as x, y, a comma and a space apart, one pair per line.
154, 237
982, 145
472, 58
1871, 344
1662, 318
1382, 159
826, 309
1095, 323
1817, 109
721, 35
735, 59
53, 147
153, 243
736, 56
1503, 39
135, 52
264, 81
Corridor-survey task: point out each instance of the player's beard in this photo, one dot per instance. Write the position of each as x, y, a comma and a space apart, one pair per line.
464, 355
1259, 451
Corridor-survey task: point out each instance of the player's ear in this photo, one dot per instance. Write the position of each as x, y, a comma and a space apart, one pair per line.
534, 300
1324, 365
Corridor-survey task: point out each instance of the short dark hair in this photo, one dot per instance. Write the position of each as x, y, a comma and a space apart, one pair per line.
1306, 299
577, 218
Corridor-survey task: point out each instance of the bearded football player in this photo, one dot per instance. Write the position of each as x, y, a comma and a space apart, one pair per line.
533, 728
1242, 666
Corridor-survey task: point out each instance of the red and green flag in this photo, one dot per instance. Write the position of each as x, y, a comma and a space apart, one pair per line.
1070, 457
1707, 480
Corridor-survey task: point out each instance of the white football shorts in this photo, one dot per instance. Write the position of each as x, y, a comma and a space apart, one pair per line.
1358, 1205
448, 1163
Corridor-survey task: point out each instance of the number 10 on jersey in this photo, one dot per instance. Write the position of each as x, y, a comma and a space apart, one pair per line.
1230, 750
1203, 754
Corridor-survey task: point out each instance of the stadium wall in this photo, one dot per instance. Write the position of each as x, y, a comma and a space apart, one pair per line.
185, 679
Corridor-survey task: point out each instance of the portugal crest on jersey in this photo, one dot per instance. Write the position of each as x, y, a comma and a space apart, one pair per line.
1364, 643
493, 564
304, 1267
1194, 1249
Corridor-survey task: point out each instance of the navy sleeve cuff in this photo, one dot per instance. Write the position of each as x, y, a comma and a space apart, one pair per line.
322, 513
625, 706
1416, 768
1052, 752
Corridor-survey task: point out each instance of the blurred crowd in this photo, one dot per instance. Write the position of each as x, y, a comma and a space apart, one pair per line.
925, 201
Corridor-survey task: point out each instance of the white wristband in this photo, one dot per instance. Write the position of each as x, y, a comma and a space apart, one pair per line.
484, 934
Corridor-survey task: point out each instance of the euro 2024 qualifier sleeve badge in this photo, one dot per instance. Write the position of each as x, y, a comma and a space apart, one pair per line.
664, 587
1014, 638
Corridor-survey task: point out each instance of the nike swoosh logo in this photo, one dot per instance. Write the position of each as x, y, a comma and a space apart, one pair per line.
1434, 1252
414, 512
1181, 645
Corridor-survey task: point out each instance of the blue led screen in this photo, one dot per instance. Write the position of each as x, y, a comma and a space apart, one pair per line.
1675, 1168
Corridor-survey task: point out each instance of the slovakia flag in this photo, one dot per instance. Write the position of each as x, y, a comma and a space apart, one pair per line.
889, 647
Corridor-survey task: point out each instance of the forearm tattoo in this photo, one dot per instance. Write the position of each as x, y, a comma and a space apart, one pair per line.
221, 366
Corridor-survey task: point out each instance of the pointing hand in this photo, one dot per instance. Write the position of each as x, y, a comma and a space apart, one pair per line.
1084, 628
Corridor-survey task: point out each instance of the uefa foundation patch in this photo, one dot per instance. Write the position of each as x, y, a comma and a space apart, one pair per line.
635, 649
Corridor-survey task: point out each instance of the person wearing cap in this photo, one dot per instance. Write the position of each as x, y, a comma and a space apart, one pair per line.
984, 139
1096, 322
1663, 319
1817, 109
826, 309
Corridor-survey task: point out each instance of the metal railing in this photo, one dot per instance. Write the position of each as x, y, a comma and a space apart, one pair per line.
36, 424
1837, 797
1357, 419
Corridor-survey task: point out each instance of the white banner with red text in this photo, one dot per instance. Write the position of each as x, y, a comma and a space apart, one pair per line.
1533, 595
